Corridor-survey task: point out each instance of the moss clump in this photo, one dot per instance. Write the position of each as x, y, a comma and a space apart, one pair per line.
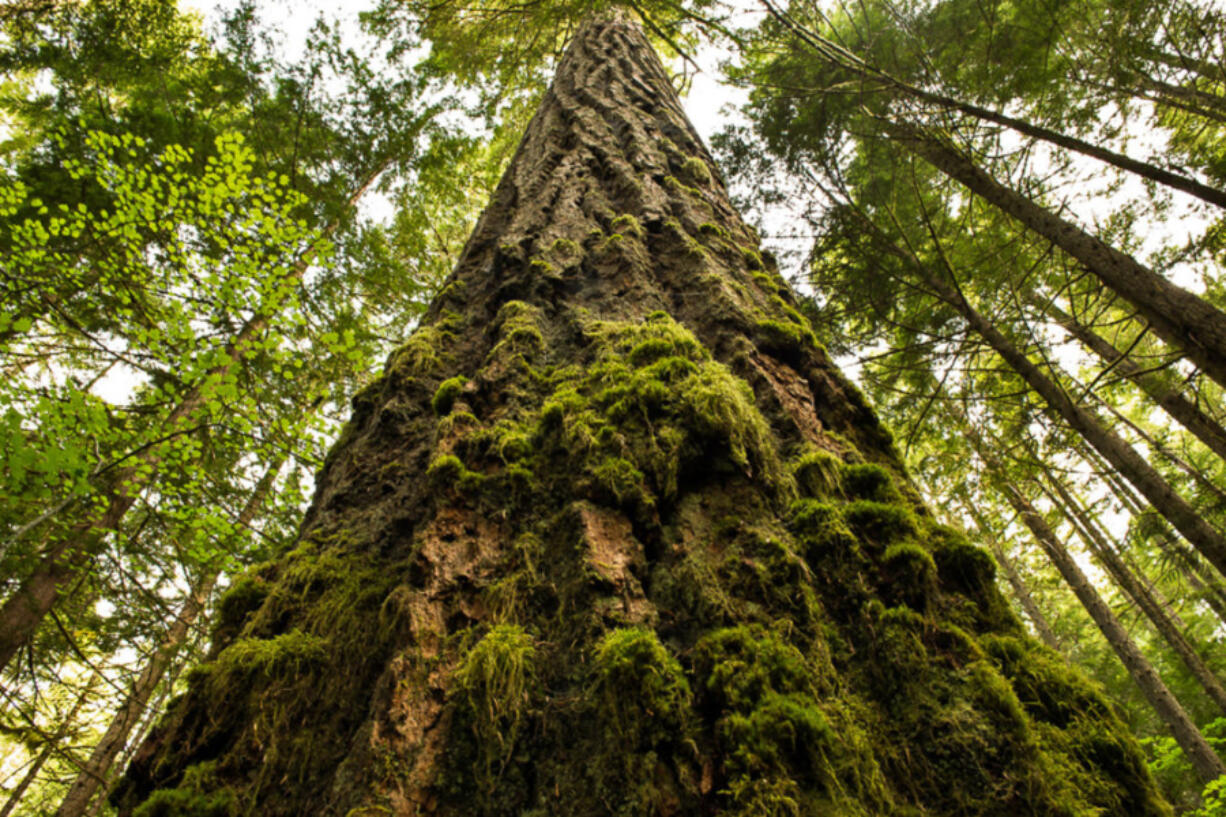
185, 803
818, 473
287, 654
445, 396
753, 260
642, 687
242, 598
627, 224
519, 331
909, 574
448, 472
422, 352
708, 228
879, 522
696, 171
784, 336
869, 481
492, 687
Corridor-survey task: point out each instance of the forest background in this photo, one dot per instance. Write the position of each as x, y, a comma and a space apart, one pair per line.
1005, 219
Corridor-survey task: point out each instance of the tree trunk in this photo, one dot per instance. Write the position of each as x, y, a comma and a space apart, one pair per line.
1132, 587
48, 750
1180, 408
1202, 757
1115, 450
593, 541
1199, 575
1181, 318
1020, 591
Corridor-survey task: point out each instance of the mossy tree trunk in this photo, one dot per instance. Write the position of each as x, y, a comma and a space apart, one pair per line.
611, 535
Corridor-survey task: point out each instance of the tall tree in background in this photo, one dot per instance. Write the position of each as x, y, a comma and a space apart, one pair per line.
612, 535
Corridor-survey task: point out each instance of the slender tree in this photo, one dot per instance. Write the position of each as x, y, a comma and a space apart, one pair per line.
611, 534
1198, 751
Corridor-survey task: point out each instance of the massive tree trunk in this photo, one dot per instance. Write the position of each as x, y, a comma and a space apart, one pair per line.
611, 535
1020, 590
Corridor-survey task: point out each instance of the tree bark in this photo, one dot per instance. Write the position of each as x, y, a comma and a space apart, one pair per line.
1180, 408
1200, 754
563, 534
1181, 318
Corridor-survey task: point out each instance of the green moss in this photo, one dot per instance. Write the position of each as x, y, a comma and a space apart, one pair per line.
183, 803
445, 396
243, 597
754, 262
641, 686
783, 336
627, 224
711, 229
909, 574
680, 188
869, 481
287, 654
492, 686
422, 352
448, 472
879, 522
519, 329
818, 473
696, 171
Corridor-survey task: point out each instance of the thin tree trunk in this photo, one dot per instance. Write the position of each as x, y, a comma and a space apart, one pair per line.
48, 750
1197, 476
1180, 408
1135, 590
1181, 318
1200, 754
25, 609
840, 57
95, 771
1131, 465
1199, 575
1018, 584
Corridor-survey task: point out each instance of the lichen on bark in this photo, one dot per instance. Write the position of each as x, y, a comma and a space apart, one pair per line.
612, 535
